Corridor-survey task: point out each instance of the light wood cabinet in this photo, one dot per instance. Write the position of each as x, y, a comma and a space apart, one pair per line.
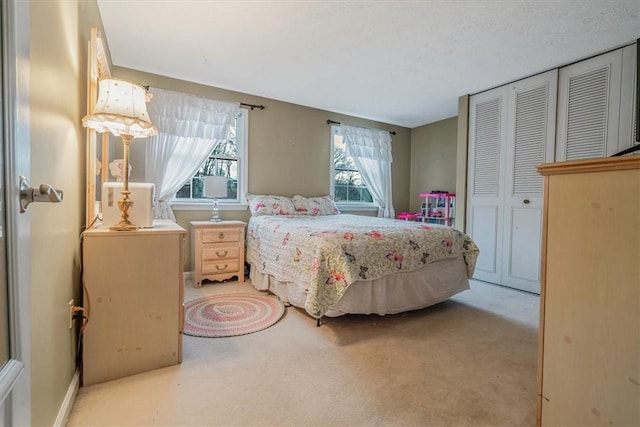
589, 348
218, 250
134, 300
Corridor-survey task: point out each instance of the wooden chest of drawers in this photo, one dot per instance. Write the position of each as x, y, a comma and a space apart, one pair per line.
589, 348
218, 250
134, 290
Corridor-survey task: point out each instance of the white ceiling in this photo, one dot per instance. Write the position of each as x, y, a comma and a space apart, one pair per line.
398, 62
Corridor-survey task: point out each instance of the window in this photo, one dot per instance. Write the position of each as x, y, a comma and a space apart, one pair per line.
229, 159
346, 181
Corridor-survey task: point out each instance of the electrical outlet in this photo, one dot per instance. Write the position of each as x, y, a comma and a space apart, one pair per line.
71, 314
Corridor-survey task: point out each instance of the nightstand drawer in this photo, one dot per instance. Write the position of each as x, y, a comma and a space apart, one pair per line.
215, 267
220, 251
221, 235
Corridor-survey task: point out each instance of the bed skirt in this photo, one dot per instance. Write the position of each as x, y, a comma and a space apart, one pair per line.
392, 294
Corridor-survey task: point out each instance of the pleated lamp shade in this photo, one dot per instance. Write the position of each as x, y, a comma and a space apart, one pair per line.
121, 109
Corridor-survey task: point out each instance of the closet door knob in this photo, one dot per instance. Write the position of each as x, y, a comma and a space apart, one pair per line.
526, 201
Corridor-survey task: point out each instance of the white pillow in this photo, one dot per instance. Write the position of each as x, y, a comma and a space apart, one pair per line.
266, 204
324, 205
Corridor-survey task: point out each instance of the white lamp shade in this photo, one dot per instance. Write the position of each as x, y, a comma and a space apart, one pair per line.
121, 109
215, 186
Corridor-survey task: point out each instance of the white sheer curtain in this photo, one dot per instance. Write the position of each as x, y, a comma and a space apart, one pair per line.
371, 153
189, 127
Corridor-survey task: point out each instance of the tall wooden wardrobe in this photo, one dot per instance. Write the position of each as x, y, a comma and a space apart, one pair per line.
583, 110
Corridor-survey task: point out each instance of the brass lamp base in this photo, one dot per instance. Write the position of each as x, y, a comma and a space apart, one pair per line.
125, 205
123, 226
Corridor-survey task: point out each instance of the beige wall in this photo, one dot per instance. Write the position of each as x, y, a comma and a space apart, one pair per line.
461, 162
59, 35
289, 147
433, 159
439, 160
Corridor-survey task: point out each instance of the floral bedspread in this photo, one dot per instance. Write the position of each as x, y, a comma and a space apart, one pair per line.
329, 252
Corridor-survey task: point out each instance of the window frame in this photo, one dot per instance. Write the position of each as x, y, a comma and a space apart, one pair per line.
242, 141
342, 205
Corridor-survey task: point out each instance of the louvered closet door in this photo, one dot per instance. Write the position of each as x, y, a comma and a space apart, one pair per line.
530, 142
589, 99
487, 135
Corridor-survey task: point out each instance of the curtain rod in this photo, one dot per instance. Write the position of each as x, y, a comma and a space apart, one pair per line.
252, 106
331, 122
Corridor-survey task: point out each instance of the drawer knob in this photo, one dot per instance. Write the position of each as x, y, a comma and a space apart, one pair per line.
223, 254
221, 235
221, 268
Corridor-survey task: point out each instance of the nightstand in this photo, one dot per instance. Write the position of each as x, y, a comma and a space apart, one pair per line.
217, 251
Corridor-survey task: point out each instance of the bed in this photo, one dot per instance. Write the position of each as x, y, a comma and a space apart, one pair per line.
330, 264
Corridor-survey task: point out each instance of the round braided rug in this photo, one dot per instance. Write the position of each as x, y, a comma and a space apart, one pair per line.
229, 315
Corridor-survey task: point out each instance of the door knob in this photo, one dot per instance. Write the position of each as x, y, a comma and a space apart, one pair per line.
44, 193
526, 201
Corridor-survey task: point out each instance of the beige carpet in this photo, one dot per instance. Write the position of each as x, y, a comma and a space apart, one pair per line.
470, 361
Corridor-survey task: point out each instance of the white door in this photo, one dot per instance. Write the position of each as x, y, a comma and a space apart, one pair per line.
511, 130
595, 105
530, 142
487, 136
15, 388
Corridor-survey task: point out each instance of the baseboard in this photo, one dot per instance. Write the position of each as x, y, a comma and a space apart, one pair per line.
69, 399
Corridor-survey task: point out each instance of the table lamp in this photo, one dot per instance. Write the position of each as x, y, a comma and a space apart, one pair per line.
215, 186
121, 109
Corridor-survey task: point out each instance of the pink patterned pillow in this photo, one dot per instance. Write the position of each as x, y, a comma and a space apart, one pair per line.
315, 205
265, 204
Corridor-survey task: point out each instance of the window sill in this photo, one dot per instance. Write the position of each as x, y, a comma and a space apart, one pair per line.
359, 207
207, 206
